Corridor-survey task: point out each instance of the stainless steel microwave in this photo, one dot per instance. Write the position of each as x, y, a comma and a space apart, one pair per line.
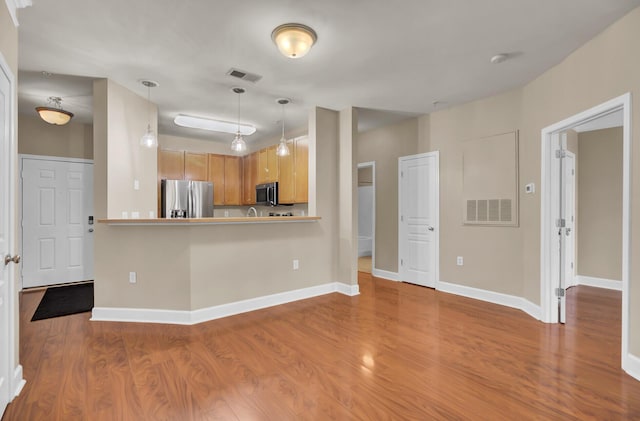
267, 194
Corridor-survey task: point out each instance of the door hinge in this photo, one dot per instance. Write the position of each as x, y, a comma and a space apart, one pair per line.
401, 262
401, 218
561, 153
401, 173
559, 292
561, 223
571, 265
573, 172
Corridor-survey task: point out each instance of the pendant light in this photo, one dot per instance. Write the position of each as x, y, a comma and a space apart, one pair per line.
238, 145
149, 139
53, 113
283, 149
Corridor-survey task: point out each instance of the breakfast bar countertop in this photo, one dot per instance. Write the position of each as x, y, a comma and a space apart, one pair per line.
210, 221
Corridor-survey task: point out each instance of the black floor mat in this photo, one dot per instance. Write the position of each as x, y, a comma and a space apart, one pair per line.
62, 301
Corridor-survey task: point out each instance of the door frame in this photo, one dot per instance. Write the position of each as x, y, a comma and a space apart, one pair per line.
16, 381
550, 202
575, 223
436, 224
21, 158
372, 164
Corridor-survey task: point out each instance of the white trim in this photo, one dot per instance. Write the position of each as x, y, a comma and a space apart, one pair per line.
18, 382
11, 277
186, 317
631, 366
384, 274
54, 158
13, 6
372, 164
492, 297
436, 222
592, 281
548, 202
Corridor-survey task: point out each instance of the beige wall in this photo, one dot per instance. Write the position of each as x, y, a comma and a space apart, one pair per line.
187, 268
9, 51
492, 255
73, 140
384, 146
600, 204
348, 190
507, 260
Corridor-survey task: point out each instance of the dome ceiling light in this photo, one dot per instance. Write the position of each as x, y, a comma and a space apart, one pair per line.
53, 113
294, 40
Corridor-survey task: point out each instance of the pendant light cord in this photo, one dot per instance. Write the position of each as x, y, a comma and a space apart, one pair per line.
283, 121
238, 112
148, 108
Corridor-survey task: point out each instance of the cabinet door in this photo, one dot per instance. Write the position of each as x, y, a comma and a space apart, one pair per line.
170, 164
301, 172
216, 176
249, 167
272, 164
195, 166
286, 179
263, 169
232, 180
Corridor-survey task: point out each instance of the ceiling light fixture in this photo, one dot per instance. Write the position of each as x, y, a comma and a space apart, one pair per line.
53, 113
499, 58
149, 139
283, 149
238, 145
294, 40
212, 125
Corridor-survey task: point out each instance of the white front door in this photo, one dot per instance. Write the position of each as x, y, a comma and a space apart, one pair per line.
57, 235
418, 212
6, 239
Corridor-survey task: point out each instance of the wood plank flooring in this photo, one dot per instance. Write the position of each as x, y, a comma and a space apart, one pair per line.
397, 351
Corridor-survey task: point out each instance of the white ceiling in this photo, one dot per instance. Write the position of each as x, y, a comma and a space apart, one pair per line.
375, 54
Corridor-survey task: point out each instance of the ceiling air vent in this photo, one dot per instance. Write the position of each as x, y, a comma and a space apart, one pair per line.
241, 74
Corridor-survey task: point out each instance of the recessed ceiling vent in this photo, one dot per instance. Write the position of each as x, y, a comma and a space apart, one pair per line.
241, 74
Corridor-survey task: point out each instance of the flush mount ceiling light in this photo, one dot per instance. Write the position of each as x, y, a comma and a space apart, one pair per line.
283, 149
294, 40
149, 139
212, 125
53, 113
238, 145
499, 58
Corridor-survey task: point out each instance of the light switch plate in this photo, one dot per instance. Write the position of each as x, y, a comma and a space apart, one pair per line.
133, 277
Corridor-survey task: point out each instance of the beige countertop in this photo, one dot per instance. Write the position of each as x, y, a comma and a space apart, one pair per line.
210, 221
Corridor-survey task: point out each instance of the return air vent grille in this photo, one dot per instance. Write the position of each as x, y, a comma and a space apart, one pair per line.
246, 76
489, 212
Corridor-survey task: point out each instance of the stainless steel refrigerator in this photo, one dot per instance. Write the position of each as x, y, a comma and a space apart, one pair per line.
186, 199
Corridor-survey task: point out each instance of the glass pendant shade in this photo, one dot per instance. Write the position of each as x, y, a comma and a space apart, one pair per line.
238, 145
294, 40
283, 149
149, 139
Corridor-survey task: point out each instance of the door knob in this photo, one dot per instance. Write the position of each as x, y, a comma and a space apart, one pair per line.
90, 229
431, 229
8, 259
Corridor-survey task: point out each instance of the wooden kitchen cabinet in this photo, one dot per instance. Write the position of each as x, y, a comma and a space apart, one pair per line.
232, 180
216, 176
249, 180
286, 181
170, 165
294, 172
195, 166
267, 165
301, 172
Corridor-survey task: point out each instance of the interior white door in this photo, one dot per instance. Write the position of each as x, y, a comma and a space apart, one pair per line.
418, 226
6, 269
570, 219
57, 233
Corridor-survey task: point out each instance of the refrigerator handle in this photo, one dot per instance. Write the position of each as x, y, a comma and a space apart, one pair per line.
190, 204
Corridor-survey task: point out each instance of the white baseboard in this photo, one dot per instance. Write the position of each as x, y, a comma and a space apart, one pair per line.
185, 317
492, 297
631, 365
18, 382
599, 282
379, 273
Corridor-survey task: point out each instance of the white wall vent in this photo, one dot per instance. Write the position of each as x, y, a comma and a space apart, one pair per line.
241, 74
489, 212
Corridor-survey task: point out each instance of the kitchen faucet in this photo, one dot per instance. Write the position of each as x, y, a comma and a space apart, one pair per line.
255, 212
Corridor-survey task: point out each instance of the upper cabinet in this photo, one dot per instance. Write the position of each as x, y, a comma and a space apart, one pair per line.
195, 166
170, 164
216, 176
294, 172
249, 178
267, 165
232, 180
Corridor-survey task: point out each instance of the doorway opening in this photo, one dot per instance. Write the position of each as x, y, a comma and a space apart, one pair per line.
553, 256
366, 216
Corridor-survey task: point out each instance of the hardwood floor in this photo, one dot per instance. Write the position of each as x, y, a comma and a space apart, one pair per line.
397, 351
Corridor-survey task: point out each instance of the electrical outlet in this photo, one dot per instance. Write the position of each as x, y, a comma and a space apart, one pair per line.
296, 264
133, 277
136, 185
459, 261
226, 214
